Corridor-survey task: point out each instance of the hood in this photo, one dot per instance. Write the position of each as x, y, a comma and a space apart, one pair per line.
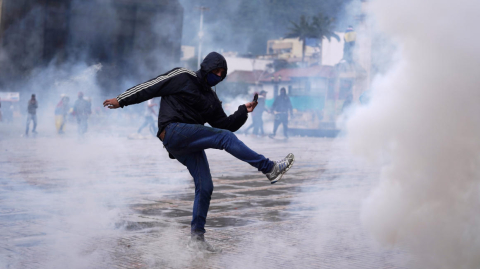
212, 61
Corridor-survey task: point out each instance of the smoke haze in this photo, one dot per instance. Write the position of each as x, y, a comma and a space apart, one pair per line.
423, 123
246, 26
421, 126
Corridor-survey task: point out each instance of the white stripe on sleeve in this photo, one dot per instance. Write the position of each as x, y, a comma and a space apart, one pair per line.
147, 84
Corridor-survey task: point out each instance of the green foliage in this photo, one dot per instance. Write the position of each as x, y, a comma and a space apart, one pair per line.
324, 26
302, 30
319, 27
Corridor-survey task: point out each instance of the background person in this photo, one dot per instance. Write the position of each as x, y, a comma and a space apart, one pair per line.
281, 107
257, 114
149, 118
61, 112
350, 37
252, 125
82, 109
32, 114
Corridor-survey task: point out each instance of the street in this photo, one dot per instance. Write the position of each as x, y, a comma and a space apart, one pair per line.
106, 201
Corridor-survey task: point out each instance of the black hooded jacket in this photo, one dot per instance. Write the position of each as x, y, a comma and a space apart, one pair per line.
186, 97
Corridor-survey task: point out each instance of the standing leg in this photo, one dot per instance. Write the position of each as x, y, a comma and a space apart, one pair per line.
58, 123
34, 117
255, 125
285, 125
83, 124
197, 165
62, 124
276, 123
28, 124
145, 123
250, 127
260, 124
79, 125
85, 120
153, 127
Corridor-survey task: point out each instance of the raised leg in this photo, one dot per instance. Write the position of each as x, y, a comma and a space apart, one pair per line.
182, 139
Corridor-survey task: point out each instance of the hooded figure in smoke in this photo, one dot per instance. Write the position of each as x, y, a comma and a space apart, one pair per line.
281, 106
32, 114
188, 102
82, 109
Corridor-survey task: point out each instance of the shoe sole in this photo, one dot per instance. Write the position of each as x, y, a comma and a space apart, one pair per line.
286, 170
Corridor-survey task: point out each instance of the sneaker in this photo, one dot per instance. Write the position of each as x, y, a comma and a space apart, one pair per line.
280, 168
198, 243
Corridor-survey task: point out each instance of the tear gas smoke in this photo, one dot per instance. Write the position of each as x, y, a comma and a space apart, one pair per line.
91, 200
423, 123
66, 196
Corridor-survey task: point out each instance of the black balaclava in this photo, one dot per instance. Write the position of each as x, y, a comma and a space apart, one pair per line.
213, 79
213, 61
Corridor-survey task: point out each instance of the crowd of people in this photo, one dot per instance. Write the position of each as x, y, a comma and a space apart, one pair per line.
81, 110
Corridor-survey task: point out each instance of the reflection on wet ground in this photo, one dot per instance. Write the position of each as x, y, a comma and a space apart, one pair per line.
110, 202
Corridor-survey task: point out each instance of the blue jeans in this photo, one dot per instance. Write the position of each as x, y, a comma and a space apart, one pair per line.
187, 143
150, 122
82, 121
281, 118
257, 124
30, 118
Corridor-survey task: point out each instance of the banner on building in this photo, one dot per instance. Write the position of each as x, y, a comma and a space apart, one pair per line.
10, 96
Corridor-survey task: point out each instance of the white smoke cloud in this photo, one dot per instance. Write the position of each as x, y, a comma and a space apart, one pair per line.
423, 123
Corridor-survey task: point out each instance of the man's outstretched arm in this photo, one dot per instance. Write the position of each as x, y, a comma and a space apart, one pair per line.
162, 85
234, 121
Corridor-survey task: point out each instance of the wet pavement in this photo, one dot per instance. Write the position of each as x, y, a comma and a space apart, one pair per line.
106, 201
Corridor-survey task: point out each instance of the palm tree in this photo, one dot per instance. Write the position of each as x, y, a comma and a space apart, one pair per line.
320, 27
324, 27
302, 30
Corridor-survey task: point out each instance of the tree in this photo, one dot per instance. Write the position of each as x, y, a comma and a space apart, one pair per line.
324, 27
320, 27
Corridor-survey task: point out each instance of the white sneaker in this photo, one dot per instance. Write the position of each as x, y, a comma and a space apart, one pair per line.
280, 168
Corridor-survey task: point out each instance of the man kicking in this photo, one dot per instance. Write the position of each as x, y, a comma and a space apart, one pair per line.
187, 103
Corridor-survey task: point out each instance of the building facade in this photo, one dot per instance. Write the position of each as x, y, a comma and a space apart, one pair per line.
128, 37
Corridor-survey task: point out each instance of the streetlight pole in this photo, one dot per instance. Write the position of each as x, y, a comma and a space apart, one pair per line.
200, 34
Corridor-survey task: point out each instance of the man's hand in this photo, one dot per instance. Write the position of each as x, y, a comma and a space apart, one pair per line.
251, 106
111, 103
